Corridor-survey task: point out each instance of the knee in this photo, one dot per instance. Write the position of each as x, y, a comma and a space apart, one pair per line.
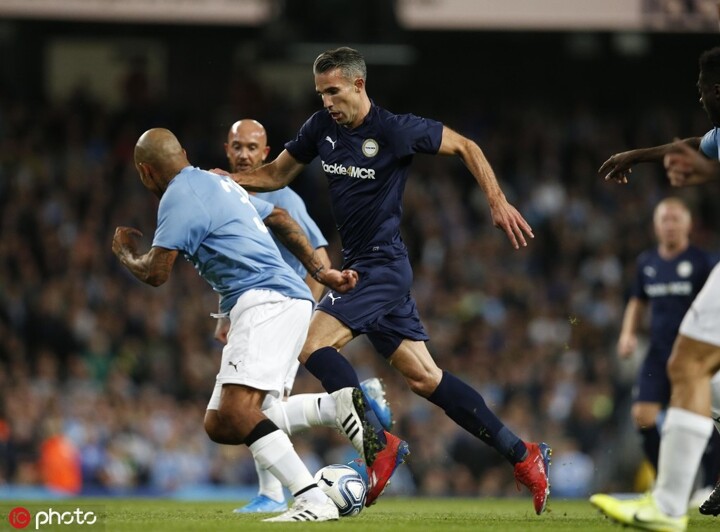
213, 427
644, 417
226, 425
309, 347
424, 382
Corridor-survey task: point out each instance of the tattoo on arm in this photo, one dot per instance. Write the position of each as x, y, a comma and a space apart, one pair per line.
153, 267
294, 238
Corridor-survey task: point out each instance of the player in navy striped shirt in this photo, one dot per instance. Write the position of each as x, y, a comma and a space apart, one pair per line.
365, 153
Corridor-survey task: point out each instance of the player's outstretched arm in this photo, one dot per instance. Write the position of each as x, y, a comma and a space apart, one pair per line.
271, 176
686, 166
153, 267
504, 215
318, 289
289, 232
619, 166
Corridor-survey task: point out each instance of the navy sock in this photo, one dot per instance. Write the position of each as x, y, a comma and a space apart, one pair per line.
335, 373
332, 370
711, 461
651, 444
467, 408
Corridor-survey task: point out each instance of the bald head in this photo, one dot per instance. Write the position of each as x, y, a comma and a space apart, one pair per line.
246, 147
673, 222
251, 128
158, 147
159, 157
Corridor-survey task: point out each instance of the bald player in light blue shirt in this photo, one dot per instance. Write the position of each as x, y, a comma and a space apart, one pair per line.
211, 221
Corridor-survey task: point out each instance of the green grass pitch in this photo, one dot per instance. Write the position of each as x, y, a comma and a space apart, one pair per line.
389, 515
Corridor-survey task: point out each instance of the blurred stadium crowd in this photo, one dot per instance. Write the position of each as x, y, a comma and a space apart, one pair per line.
98, 368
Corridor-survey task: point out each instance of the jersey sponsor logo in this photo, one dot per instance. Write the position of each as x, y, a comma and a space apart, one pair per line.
370, 148
351, 171
685, 268
331, 141
649, 271
677, 288
234, 364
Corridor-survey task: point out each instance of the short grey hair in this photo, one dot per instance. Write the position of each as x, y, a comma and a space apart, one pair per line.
350, 62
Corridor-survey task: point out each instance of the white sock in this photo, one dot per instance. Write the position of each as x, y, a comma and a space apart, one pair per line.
326, 410
275, 453
302, 411
685, 435
268, 484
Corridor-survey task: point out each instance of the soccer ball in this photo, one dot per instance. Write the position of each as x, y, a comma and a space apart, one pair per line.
344, 486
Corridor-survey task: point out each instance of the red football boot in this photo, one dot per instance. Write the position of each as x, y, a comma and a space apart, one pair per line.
386, 462
533, 472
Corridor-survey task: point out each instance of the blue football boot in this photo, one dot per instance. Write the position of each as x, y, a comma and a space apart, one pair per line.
262, 504
374, 391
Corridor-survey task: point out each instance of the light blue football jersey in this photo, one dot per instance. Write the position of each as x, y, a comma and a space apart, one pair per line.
709, 144
286, 198
211, 220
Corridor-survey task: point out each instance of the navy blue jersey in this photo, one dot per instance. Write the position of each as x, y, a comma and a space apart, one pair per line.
367, 168
670, 287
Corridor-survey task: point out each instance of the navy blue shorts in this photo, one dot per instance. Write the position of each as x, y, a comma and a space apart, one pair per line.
380, 305
653, 385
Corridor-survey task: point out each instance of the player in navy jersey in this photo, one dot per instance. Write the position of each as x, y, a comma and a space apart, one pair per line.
213, 222
695, 358
365, 153
246, 149
667, 279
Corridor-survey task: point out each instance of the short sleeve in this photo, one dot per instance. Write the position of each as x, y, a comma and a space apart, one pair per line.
637, 289
303, 147
709, 144
263, 208
413, 134
183, 222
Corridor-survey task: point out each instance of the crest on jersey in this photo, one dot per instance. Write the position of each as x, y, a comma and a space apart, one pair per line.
370, 148
684, 269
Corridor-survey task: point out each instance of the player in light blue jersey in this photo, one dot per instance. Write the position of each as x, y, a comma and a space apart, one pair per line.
695, 359
365, 152
246, 149
212, 222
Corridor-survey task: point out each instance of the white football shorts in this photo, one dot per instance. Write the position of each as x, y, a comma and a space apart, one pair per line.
702, 320
267, 332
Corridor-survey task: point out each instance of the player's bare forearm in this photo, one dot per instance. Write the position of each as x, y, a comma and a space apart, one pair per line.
633, 311
686, 166
475, 161
271, 176
317, 264
619, 166
152, 268
287, 231
627, 343
504, 216
318, 289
